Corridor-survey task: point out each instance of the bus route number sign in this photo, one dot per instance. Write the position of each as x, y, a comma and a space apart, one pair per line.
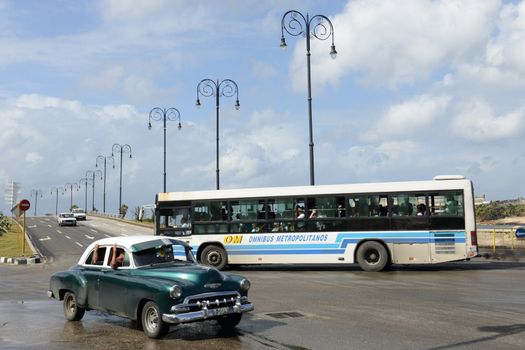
520, 233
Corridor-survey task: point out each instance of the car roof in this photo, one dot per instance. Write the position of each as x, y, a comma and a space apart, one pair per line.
129, 241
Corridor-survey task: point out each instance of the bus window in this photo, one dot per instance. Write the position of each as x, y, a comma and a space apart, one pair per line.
405, 204
247, 209
180, 218
446, 204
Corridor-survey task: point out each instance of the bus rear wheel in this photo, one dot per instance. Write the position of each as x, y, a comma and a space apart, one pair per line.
215, 256
372, 256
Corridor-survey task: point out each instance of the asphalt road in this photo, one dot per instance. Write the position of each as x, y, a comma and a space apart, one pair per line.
467, 305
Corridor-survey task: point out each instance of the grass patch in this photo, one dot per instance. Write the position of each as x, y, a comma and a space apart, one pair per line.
11, 243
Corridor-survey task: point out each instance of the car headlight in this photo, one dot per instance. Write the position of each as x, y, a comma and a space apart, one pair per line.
245, 285
175, 291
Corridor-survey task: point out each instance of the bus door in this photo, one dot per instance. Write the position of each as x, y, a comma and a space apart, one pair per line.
410, 223
447, 226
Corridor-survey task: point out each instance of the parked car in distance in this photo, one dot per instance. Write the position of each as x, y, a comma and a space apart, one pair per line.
66, 219
153, 280
79, 214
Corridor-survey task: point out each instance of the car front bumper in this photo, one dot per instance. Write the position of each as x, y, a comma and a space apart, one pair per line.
206, 313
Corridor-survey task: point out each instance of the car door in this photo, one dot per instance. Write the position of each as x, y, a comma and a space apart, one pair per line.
92, 270
113, 286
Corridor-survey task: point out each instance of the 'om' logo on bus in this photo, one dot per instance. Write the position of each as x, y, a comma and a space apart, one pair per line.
232, 239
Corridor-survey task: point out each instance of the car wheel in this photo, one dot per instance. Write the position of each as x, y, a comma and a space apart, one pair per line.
229, 321
72, 311
152, 322
214, 256
372, 256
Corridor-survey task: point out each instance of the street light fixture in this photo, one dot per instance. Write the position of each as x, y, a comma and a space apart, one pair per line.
85, 180
226, 88
56, 190
105, 159
118, 148
70, 187
320, 27
36, 193
158, 114
92, 174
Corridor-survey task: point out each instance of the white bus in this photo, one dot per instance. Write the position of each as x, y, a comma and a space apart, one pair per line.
375, 224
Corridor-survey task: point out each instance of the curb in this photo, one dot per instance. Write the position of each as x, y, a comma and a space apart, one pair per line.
21, 261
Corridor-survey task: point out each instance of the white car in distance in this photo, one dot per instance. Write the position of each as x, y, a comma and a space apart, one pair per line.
66, 219
79, 214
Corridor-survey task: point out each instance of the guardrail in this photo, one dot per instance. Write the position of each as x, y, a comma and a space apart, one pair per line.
499, 237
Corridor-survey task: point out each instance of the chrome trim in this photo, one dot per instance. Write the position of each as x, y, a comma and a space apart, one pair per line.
50, 294
205, 313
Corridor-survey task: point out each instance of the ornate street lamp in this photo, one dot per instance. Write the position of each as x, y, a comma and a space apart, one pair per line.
104, 159
86, 181
36, 193
158, 114
118, 148
70, 186
320, 27
56, 190
226, 88
91, 174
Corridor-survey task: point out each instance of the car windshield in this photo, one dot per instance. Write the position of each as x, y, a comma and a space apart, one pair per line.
78, 211
163, 254
66, 215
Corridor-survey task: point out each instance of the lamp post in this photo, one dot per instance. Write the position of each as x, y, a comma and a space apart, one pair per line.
36, 193
91, 174
56, 189
85, 180
226, 88
117, 148
158, 114
105, 159
295, 24
70, 187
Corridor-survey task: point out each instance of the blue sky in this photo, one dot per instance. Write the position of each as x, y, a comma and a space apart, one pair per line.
419, 88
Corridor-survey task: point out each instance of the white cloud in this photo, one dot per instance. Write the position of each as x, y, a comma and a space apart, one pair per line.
476, 122
398, 42
408, 117
33, 157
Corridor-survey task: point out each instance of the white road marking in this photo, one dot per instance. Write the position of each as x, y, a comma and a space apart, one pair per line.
89, 237
79, 244
94, 230
33, 226
121, 225
108, 236
42, 222
49, 225
68, 237
123, 235
59, 231
45, 239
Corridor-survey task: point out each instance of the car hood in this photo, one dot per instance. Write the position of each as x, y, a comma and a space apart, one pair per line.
192, 274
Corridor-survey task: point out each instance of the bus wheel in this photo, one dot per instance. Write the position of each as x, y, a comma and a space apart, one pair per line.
372, 256
214, 256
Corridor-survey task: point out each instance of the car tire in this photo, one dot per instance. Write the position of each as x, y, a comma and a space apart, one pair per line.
372, 256
151, 321
215, 256
72, 311
229, 321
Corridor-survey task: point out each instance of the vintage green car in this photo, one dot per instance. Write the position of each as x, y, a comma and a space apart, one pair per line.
153, 280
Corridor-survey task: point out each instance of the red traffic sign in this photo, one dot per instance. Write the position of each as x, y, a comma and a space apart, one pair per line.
24, 205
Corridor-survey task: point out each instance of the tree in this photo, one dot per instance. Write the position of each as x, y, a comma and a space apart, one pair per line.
136, 213
123, 211
4, 224
74, 206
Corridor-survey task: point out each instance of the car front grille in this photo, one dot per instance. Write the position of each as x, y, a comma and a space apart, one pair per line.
209, 301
